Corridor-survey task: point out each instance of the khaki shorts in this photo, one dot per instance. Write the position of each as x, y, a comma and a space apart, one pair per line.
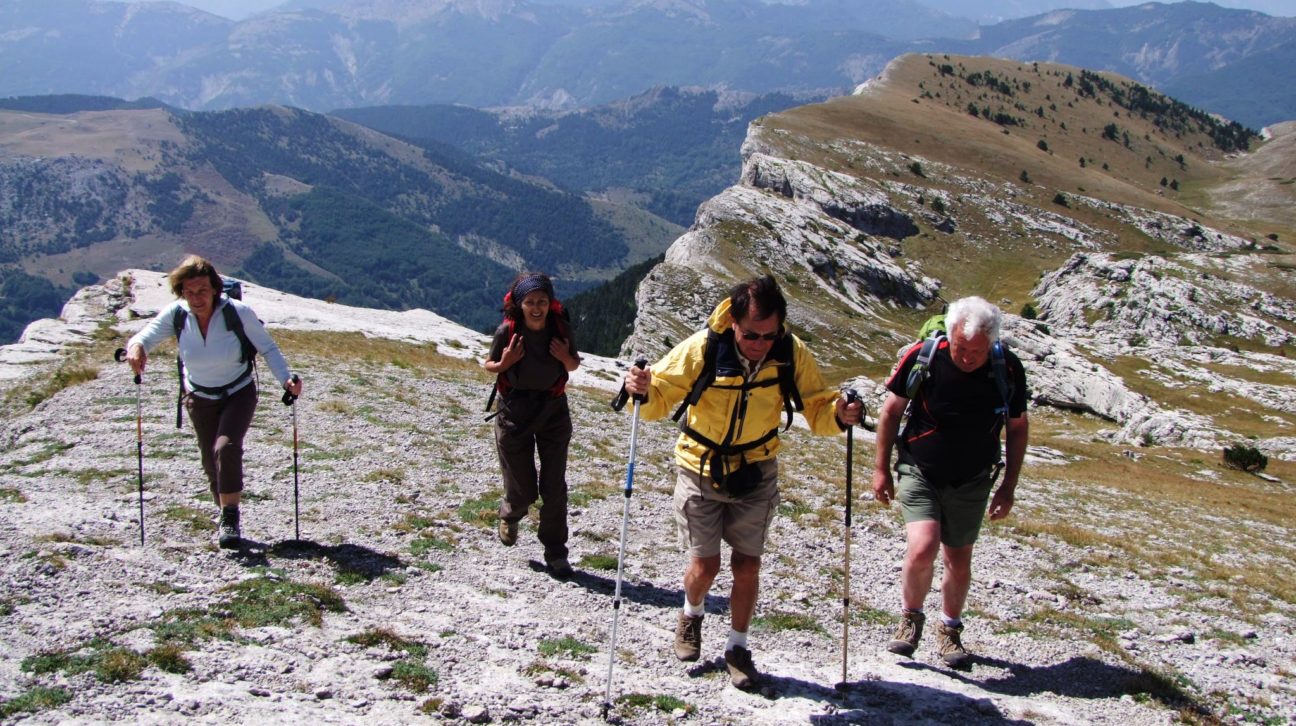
704, 516
959, 509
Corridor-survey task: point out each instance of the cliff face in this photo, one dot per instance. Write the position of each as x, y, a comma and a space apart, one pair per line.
1134, 297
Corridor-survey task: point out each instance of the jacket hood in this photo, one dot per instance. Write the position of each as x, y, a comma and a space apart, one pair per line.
720, 318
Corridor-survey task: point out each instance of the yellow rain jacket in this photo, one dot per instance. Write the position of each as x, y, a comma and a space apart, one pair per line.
721, 405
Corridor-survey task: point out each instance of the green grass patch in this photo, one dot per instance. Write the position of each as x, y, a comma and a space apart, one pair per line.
189, 626
582, 495
263, 601
34, 700
414, 676
385, 636
169, 657
69, 374
568, 646
46, 452
872, 616
481, 512
386, 474
780, 621
196, 520
12, 495
598, 562
633, 703
423, 545
109, 663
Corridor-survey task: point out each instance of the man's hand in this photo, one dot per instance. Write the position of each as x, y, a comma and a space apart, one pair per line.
883, 486
637, 381
1001, 503
849, 414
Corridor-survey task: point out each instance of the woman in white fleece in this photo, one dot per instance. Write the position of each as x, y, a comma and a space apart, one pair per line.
218, 338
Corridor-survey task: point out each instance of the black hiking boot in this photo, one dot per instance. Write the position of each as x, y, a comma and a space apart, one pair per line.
228, 529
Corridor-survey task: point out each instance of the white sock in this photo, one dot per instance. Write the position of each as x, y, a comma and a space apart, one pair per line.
951, 622
736, 640
692, 610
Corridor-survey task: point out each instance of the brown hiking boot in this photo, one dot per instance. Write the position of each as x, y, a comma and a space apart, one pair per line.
949, 643
907, 637
507, 533
742, 672
688, 637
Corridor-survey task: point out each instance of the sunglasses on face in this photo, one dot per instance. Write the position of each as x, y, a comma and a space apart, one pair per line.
748, 335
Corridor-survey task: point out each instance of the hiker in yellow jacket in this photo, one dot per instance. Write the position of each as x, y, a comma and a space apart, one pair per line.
727, 481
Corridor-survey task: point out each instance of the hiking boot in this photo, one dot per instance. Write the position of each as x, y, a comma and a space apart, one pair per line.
560, 568
507, 533
688, 637
228, 529
949, 643
906, 638
742, 672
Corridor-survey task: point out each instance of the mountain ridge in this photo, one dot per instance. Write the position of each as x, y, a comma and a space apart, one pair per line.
553, 56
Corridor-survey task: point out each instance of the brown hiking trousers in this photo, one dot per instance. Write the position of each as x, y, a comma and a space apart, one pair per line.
531, 423
221, 425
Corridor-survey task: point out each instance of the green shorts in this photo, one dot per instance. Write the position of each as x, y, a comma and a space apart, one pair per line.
959, 509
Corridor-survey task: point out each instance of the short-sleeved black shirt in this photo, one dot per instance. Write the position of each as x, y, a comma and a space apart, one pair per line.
953, 430
538, 370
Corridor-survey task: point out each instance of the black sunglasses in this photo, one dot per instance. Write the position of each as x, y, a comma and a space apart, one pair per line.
747, 335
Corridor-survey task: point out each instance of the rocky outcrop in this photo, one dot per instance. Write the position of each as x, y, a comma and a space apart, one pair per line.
791, 219
1130, 301
857, 202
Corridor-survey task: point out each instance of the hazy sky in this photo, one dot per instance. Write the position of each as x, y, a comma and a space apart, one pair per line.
239, 9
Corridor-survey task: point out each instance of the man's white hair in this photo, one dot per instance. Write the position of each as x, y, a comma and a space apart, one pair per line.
973, 315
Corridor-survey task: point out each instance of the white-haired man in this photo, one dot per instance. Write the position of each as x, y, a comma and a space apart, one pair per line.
959, 401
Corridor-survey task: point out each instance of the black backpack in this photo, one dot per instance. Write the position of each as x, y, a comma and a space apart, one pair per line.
720, 357
232, 289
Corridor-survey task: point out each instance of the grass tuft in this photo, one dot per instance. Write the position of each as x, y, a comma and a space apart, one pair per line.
568, 646
34, 700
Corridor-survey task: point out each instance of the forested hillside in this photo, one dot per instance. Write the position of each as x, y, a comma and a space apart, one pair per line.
670, 148
297, 200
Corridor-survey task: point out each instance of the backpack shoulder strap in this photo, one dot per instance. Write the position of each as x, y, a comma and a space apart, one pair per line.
705, 377
178, 322
921, 369
787, 381
235, 325
999, 363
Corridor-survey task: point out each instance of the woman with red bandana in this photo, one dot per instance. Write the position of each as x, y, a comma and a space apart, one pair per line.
532, 354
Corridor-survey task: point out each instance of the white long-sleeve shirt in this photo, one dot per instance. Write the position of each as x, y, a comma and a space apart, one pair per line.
213, 361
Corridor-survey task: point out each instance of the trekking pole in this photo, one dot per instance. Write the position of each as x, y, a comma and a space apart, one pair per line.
120, 355
851, 397
291, 401
640, 363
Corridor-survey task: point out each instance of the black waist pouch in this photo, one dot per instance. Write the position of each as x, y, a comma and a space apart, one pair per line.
738, 481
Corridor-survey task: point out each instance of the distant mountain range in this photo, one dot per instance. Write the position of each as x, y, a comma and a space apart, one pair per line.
322, 54
289, 198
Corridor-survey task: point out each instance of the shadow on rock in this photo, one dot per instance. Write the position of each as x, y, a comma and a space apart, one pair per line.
883, 702
642, 593
350, 560
1076, 678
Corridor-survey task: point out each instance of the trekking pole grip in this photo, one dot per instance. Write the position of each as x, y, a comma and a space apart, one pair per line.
288, 398
641, 363
119, 355
622, 396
